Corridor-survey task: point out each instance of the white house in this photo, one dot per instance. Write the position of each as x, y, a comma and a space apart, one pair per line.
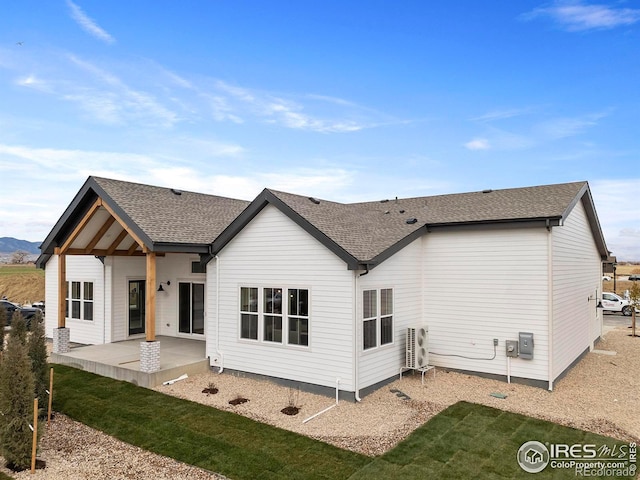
322, 293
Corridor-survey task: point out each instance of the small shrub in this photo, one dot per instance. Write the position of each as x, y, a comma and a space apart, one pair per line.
18, 327
3, 323
292, 404
17, 386
38, 354
211, 389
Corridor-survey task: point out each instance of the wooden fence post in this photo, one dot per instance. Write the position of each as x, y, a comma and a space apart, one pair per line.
34, 446
50, 397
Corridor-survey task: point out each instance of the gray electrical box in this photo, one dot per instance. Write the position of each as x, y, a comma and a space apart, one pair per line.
512, 348
525, 345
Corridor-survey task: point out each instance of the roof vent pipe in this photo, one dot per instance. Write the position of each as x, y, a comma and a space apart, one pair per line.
488, 190
175, 191
314, 200
411, 221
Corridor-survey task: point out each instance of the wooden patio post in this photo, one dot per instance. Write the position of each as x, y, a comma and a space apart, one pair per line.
150, 307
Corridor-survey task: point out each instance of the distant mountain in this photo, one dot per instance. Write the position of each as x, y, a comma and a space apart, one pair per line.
10, 245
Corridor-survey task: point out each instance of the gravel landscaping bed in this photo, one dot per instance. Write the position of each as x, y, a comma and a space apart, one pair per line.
600, 395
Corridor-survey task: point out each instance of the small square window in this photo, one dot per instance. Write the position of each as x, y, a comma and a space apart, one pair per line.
197, 267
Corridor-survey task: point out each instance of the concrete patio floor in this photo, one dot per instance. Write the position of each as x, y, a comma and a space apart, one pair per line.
121, 360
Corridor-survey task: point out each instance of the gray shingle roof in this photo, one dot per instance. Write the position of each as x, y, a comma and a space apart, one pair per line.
365, 230
190, 218
360, 233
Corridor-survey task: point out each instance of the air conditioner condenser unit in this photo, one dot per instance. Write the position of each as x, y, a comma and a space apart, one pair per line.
417, 350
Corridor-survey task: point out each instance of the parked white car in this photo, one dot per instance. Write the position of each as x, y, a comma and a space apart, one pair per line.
614, 303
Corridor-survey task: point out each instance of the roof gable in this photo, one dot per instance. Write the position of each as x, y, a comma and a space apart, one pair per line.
361, 234
365, 234
162, 219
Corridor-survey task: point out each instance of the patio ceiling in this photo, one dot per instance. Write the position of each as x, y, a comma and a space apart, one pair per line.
102, 233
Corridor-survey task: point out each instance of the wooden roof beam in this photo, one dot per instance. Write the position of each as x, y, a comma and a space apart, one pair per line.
102, 252
83, 223
96, 238
121, 236
124, 225
132, 249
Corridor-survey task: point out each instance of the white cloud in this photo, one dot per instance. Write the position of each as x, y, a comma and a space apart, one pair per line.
115, 102
286, 112
147, 94
32, 81
478, 144
563, 127
619, 215
324, 183
503, 114
55, 175
527, 133
88, 24
577, 16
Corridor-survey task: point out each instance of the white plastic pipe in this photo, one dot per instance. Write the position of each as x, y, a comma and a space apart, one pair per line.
184, 376
508, 369
328, 408
220, 354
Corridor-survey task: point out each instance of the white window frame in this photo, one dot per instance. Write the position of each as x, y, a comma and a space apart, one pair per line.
298, 318
262, 314
377, 317
83, 301
253, 313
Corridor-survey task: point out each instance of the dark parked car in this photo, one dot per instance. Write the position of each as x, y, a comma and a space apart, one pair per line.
27, 312
634, 277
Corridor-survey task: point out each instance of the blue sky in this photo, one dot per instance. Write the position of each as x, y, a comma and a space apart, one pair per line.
347, 101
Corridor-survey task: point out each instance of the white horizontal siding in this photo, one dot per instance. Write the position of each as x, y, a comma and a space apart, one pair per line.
273, 251
481, 285
403, 273
79, 269
174, 268
124, 269
576, 288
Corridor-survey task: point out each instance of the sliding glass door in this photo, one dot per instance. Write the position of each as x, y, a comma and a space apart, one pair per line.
191, 308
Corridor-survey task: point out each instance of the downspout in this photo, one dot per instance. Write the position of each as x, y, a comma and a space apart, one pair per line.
550, 304
356, 359
104, 303
218, 352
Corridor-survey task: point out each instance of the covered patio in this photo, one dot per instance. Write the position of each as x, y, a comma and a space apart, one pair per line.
121, 360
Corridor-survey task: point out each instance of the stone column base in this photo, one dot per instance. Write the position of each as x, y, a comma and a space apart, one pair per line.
149, 357
61, 340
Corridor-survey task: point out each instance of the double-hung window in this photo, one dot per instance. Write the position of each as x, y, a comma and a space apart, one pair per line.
377, 318
275, 315
249, 313
298, 317
272, 315
79, 298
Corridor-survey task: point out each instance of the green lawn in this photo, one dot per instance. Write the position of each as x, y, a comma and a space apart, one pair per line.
218, 441
20, 269
470, 441
464, 441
